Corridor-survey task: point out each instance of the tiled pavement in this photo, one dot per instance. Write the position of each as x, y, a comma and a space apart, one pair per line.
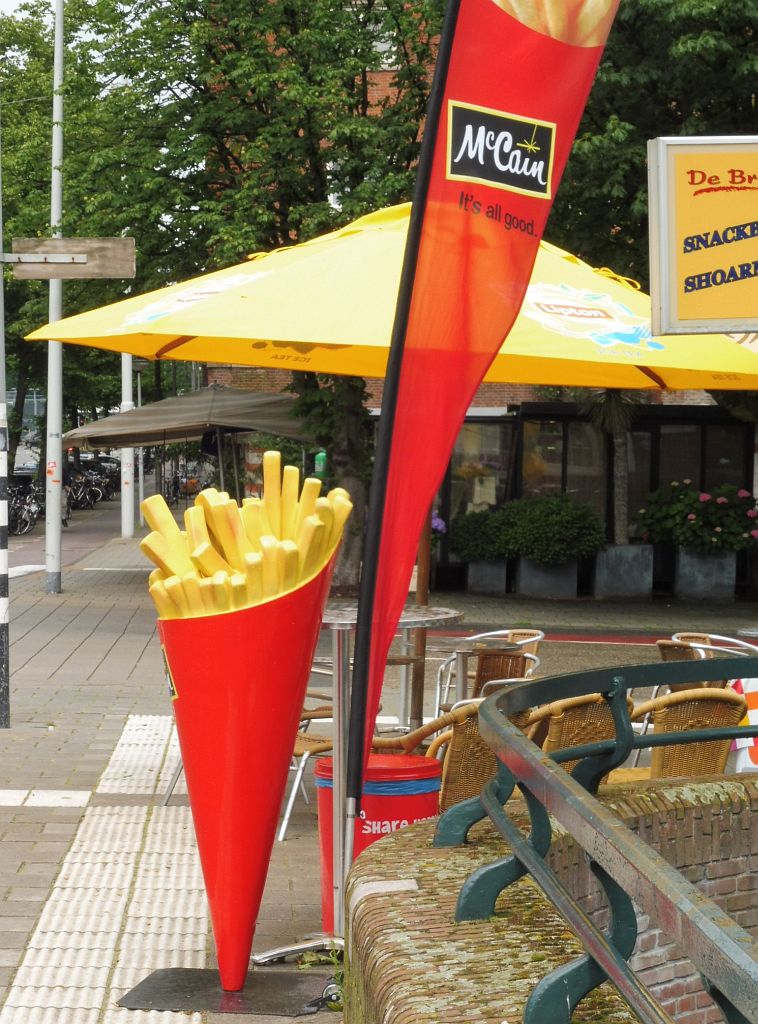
99, 883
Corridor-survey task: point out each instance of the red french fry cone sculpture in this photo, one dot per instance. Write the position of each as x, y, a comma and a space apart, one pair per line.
239, 681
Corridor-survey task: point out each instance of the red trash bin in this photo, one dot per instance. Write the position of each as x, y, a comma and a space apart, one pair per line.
398, 790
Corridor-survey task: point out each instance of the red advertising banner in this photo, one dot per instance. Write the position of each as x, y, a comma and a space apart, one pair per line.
518, 78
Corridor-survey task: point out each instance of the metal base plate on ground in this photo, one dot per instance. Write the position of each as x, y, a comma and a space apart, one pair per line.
285, 991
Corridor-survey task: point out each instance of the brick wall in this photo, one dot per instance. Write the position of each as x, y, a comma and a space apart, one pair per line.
709, 832
401, 897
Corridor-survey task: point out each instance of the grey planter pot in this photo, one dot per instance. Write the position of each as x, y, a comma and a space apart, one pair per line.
557, 582
486, 577
704, 577
624, 571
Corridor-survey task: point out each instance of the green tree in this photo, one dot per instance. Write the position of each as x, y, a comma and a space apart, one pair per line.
671, 67
260, 127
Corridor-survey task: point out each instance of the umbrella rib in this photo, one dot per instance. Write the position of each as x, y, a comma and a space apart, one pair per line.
653, 376
171, 345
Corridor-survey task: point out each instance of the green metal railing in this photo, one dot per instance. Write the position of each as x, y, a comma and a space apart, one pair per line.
723, 952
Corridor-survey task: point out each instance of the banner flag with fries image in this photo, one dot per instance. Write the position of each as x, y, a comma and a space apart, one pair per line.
240, 594
511, 81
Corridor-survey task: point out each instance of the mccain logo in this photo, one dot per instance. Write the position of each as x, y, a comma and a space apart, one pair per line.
503, 150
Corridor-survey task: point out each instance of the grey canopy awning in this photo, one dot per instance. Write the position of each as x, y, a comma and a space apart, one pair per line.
187, 417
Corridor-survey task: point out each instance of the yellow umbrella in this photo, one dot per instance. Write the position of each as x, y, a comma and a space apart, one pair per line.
327, 305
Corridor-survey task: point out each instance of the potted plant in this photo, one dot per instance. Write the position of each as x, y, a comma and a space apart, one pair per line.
483, 540
708, 528
550, 534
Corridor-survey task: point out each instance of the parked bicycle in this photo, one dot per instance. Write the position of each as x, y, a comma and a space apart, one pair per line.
23, 510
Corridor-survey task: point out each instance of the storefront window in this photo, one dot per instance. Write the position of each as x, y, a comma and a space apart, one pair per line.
724, 455
680, 453
480, 467
542, 466
586, 469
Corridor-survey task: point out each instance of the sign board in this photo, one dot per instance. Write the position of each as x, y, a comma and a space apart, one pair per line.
106, 257
704, 234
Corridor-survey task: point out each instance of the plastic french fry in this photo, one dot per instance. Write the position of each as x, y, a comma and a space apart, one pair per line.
307, 504
205, 500
272, 490
191, 588
271, 576
209, 561
159, 517
171, 557
289, 554
290, 488
222, 531
196, 527
310, 544
206, 593
175, 591
256, 522
342, 509
238, 582
325, 512
156, 576
338, 491
254, 577
163, 603
242, 545
222, 592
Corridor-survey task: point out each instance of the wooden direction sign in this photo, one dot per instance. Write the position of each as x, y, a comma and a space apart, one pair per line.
105, 257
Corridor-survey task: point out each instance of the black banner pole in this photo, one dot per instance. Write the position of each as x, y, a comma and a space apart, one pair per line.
377, 496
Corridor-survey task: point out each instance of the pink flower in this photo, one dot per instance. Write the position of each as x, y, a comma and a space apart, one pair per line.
717, 529
692, 516
703, 496
742, 493
722, 501
754, 534
752, 513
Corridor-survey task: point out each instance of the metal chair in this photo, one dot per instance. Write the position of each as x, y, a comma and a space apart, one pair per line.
528, 641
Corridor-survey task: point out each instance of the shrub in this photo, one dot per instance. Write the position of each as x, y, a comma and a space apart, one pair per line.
483, 536
553, 530
723, 519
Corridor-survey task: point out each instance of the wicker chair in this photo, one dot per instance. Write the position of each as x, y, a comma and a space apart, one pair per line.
571, 722
683, 650
467, 761
528, 641
685, 710
497, 664
307, 745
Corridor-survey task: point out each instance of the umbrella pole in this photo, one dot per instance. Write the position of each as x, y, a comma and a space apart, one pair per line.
220, 450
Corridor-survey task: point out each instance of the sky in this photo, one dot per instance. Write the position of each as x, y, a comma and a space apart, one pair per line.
8, 6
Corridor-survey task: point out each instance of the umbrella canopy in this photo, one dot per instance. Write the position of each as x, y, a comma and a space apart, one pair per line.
328, 305
187, 417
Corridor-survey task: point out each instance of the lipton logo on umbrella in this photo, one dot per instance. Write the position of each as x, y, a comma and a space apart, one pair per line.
595, 316
504, 150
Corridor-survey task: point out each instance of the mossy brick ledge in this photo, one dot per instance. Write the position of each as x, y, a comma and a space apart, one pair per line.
408, 962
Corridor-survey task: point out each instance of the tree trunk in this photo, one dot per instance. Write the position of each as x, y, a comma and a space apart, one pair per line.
348, 456
620, 487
